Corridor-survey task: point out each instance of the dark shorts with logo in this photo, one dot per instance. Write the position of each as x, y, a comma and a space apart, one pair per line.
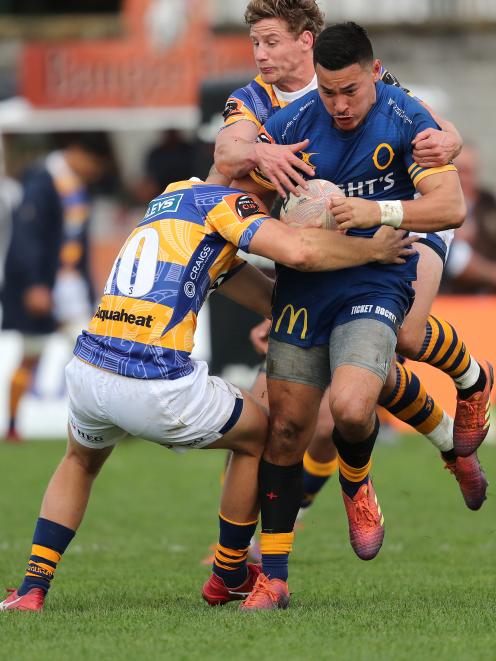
317, 310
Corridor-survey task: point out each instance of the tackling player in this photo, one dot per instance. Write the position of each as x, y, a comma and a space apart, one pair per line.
132, 373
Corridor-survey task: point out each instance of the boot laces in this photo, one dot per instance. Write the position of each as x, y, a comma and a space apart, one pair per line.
363, 511
261, 588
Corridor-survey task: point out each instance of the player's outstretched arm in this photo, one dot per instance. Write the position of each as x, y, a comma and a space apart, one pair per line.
324, 250
441, 206
250, 288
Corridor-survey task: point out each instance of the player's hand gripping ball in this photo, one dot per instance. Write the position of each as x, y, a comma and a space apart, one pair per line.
313, 207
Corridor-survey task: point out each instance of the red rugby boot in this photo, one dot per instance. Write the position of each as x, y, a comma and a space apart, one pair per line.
216, 593
31, 601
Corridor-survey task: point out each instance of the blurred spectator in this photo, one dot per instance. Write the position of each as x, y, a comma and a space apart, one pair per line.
47, 284
471, 267
172, 159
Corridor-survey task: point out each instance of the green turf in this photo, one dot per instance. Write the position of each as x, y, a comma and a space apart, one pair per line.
129, 585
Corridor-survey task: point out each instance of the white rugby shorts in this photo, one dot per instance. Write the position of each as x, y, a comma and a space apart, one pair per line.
190, 412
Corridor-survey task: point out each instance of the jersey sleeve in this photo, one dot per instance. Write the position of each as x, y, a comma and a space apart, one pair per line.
417, 119
239, 106
237, 218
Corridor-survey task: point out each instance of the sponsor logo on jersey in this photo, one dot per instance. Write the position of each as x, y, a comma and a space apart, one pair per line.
246, 206
293, 318
296, 116
168, 204
232, 108
399, 111
368, 187
126, 317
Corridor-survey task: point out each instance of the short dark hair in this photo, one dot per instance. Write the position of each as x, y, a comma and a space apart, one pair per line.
342, 45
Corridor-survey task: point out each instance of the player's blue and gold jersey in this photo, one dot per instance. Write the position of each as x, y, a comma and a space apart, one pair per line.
374, 161
257, 101
185, 246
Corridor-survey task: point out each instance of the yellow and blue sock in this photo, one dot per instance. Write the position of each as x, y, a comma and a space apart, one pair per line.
443, 349
232, 550
281, 492
315, 475
354, 460
50, 540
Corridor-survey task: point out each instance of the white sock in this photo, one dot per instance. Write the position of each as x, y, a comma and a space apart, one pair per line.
441, 436
469, 377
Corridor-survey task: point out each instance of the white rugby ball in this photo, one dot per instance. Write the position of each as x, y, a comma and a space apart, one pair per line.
312, 206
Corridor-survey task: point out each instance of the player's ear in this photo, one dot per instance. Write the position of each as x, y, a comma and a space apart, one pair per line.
376, 70
307, 40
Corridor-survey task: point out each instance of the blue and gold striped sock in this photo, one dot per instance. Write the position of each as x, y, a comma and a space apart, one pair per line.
50, 540
275, 548
354, 460
443, 349
232, 549
410, 402
315, 475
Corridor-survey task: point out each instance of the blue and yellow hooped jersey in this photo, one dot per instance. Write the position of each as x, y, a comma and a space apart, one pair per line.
184, 247
257, 101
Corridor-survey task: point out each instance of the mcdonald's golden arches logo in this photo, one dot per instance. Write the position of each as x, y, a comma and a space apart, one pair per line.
293, 318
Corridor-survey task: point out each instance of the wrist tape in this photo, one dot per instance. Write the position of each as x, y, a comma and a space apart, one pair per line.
391, 212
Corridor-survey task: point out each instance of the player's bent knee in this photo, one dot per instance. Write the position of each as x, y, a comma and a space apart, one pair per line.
352, 416
288, 439
410, 341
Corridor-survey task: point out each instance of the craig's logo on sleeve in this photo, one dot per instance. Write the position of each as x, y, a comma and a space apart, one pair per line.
246, 206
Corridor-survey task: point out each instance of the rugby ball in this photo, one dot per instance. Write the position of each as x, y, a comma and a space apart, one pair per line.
312, 206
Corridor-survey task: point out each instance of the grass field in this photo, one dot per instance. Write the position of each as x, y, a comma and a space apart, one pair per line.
129, 586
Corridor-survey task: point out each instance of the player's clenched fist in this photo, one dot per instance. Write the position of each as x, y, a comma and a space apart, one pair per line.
352, 212
281, 165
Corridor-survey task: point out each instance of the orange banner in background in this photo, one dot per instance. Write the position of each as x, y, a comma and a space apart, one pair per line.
474, 318
135, 70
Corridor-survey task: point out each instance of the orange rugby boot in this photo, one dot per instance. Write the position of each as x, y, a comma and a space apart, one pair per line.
471, 479
268, 594
472, 417
365, 521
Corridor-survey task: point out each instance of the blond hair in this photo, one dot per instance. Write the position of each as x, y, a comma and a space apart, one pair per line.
300, 15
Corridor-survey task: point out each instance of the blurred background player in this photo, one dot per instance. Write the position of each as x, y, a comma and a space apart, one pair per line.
471, 267
47, 273
171, 159
137, 349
